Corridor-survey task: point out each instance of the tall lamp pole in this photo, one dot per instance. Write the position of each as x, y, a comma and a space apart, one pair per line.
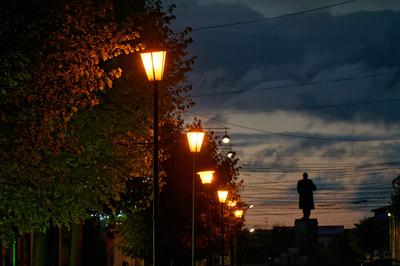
154, 65
206, 179
238, 214
195, 140
222, 195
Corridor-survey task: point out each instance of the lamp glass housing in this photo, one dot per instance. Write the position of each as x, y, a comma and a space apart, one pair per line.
226, 139
195, 140
206, 176
222, 195
154, 63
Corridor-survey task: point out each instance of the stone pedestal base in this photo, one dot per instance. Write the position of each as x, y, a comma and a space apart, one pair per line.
306, 235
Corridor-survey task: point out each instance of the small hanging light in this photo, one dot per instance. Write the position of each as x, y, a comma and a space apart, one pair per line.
225, 138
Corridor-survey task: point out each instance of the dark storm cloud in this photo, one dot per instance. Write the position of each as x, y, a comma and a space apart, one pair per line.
296, 51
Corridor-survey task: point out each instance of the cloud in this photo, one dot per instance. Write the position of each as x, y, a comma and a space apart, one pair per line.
303, 58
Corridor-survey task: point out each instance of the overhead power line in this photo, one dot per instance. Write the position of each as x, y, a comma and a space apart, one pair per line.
272, 18
290, 135
315, 107
295, 85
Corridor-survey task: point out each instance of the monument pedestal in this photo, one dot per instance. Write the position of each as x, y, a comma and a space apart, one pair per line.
306, 236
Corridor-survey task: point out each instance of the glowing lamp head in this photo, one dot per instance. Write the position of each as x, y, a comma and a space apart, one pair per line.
251, 230
230, 154
251, 206
206, 176
238, 213
222, 195
154, 64
195, 140
226, 139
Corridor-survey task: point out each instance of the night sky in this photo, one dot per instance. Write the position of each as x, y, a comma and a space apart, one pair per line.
301, 91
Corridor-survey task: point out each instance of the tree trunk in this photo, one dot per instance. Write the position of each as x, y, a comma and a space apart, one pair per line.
40, 248
76, 244
2, 255
59, 246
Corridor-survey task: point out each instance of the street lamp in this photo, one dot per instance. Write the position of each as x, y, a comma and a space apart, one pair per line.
153, 63
195, 140
206, 179
225, 138
222, 195
238, 214
206, 176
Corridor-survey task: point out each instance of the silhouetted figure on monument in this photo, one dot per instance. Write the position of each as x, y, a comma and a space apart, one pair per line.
305, 188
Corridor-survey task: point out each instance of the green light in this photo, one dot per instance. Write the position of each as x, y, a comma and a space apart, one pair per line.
13, 252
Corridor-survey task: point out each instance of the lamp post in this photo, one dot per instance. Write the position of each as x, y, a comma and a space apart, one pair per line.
238, 214
206, 179
222, 195
195, 140
153, 63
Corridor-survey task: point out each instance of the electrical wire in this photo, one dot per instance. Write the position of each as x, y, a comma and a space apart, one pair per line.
294, 85
298, 136
272, 18
314, 107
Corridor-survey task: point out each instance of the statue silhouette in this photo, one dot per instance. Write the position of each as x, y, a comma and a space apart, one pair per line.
305, 188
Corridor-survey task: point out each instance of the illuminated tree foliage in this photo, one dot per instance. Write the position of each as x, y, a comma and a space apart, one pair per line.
75, 108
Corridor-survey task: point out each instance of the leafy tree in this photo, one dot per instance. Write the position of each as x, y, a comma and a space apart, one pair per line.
341, 252
70, 143
371, 234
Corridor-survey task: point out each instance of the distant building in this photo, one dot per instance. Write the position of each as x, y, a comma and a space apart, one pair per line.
389, 214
